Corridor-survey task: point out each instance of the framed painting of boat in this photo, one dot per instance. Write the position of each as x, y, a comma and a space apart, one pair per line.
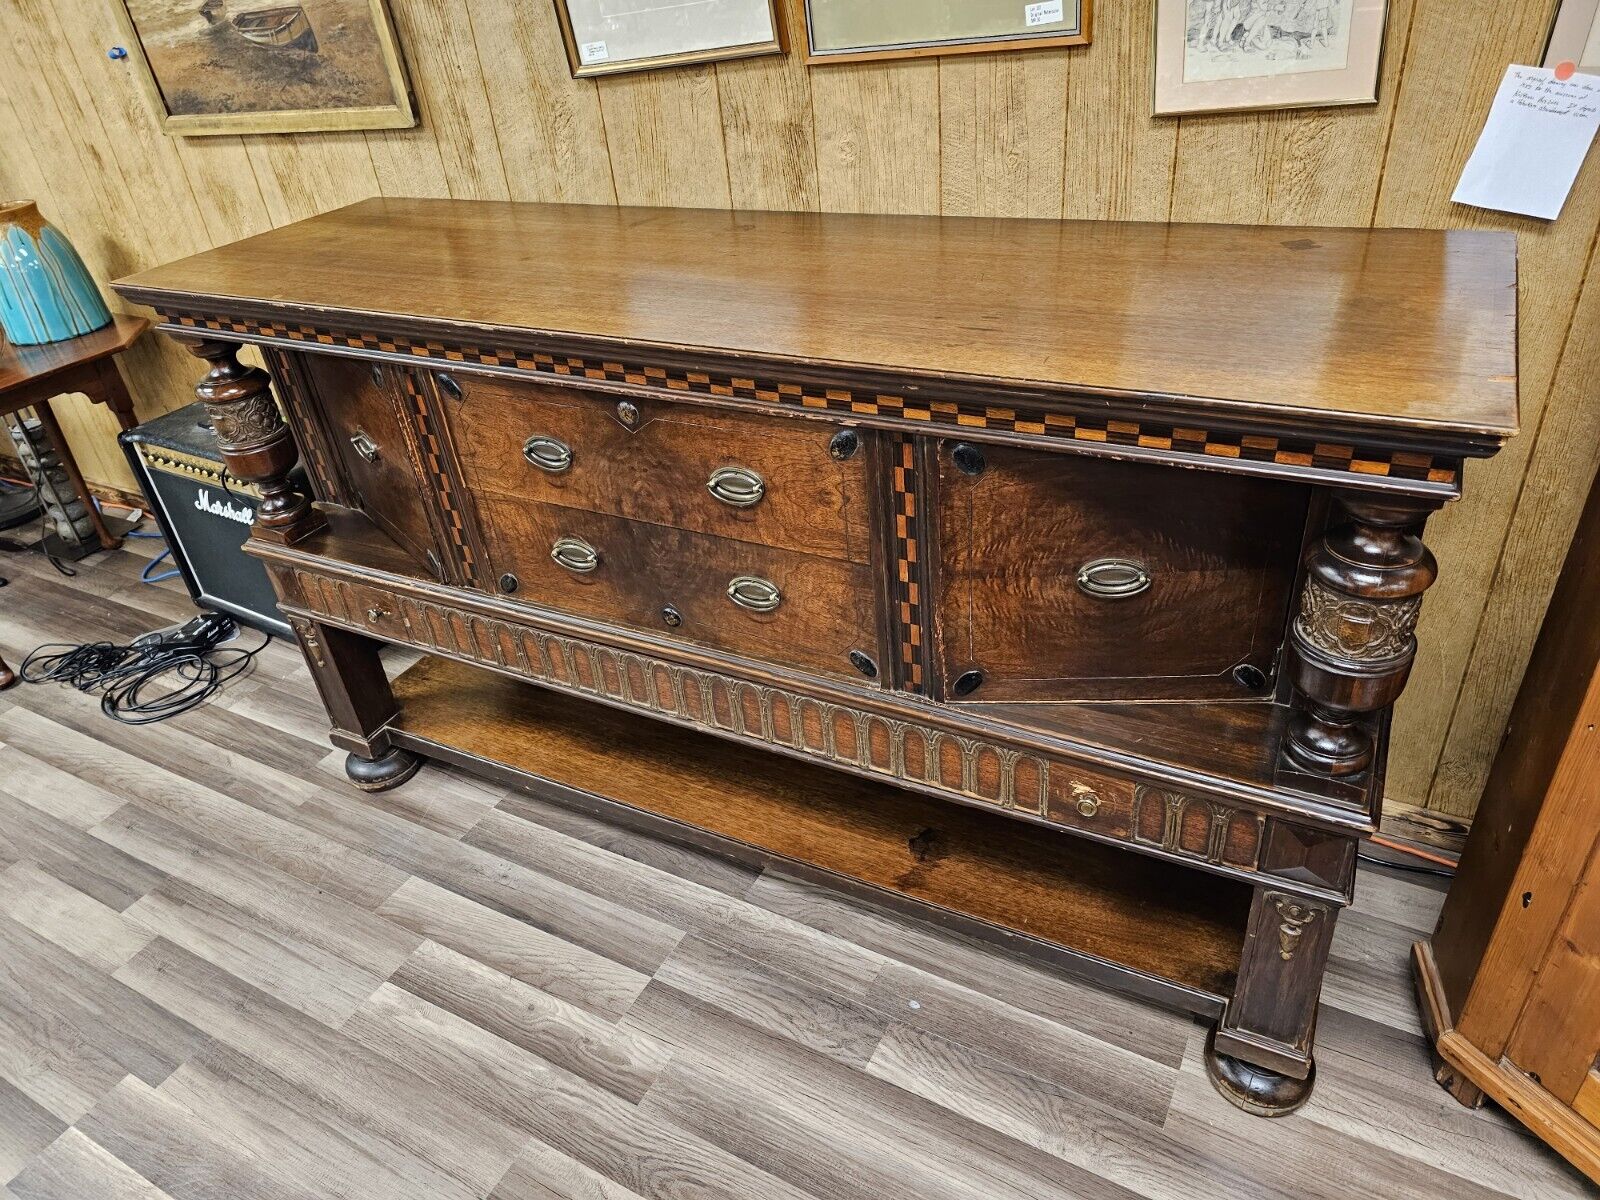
253, 66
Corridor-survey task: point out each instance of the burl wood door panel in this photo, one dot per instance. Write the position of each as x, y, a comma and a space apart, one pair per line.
775, 481
676, 582
1189, 599
361, 405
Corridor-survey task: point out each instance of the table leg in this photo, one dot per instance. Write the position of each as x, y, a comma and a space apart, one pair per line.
69, 464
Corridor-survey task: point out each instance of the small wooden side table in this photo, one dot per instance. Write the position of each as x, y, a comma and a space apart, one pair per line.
31, 376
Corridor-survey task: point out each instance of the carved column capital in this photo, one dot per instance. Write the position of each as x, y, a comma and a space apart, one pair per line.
256, 445
1353, 637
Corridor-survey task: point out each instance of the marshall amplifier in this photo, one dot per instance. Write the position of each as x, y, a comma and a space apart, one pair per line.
204, 515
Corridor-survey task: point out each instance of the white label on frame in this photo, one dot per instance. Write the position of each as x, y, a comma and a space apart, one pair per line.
1043, 13
593, 52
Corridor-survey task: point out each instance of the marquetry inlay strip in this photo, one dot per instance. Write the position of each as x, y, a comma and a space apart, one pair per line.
431, 450
304, 424
907, 555
1167, 437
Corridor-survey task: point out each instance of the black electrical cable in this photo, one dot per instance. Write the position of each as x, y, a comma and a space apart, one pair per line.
156, 677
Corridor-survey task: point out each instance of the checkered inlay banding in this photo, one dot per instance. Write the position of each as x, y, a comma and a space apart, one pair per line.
433, 461
1170, 438
907, 555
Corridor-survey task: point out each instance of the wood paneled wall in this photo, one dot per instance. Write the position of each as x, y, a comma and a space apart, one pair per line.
1058, 133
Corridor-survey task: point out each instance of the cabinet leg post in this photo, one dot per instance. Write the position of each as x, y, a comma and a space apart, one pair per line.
1259, 1057
1352, 642
355, 691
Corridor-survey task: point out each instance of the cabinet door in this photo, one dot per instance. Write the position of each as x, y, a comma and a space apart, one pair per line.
361, 403
1063, 577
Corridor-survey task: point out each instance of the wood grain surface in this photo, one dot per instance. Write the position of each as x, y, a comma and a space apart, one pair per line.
1404, 327
232, 977
978, 135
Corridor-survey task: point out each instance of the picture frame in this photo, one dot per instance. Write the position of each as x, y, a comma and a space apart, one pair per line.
852, 31
220, 68
1237, 55
1575, 36
644, 36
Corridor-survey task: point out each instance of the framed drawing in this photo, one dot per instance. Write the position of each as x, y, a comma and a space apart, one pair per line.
1575, 36
856, 30
243, 66
1220, 55
605, 37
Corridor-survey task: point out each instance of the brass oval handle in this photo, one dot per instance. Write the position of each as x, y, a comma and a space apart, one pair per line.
1113, 578
737, 486
575, 554
547, 453
754, 593
365, 446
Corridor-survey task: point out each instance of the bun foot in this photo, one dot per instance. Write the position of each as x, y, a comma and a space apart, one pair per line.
1258, 1091
382, 773
7, 675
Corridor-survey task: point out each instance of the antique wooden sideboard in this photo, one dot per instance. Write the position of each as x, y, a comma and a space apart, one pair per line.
1079, 563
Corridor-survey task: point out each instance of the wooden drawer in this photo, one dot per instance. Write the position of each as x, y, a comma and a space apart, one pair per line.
1016, 530
787, 483
361, 404
675, 582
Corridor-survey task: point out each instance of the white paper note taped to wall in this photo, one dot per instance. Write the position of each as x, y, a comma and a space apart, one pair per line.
1538, 132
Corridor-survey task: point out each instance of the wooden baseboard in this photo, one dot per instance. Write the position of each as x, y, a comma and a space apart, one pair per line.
1425, 829
1468, 1070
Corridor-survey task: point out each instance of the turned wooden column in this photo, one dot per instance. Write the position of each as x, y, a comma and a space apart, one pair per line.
1353, 639
256, 445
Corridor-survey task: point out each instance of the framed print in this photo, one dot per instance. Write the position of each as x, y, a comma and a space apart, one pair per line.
1575, 36
604, 37
1220, 55
857, 30
242, 66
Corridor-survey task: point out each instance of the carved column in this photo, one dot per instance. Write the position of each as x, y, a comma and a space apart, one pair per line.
1353, 640
256, 445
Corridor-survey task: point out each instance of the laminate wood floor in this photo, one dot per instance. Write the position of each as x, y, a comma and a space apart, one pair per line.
227, 975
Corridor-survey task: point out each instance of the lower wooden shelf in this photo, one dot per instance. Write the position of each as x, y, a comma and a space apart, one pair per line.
1149, 927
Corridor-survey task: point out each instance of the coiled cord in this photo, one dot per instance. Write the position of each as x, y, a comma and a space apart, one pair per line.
148, 681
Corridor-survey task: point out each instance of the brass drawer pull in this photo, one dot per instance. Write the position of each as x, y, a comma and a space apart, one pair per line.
1085, 799
575, 554
737, 486
365, 446
547, 453
753, 593
1113, 578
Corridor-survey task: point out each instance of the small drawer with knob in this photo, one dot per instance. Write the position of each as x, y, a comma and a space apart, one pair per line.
794, 485
801, 610
1101, 804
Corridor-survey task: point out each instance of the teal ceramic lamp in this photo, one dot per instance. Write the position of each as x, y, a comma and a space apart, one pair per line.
46, 293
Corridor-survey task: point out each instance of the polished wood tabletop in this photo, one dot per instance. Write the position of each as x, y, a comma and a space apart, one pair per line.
1403, 328
32, 364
